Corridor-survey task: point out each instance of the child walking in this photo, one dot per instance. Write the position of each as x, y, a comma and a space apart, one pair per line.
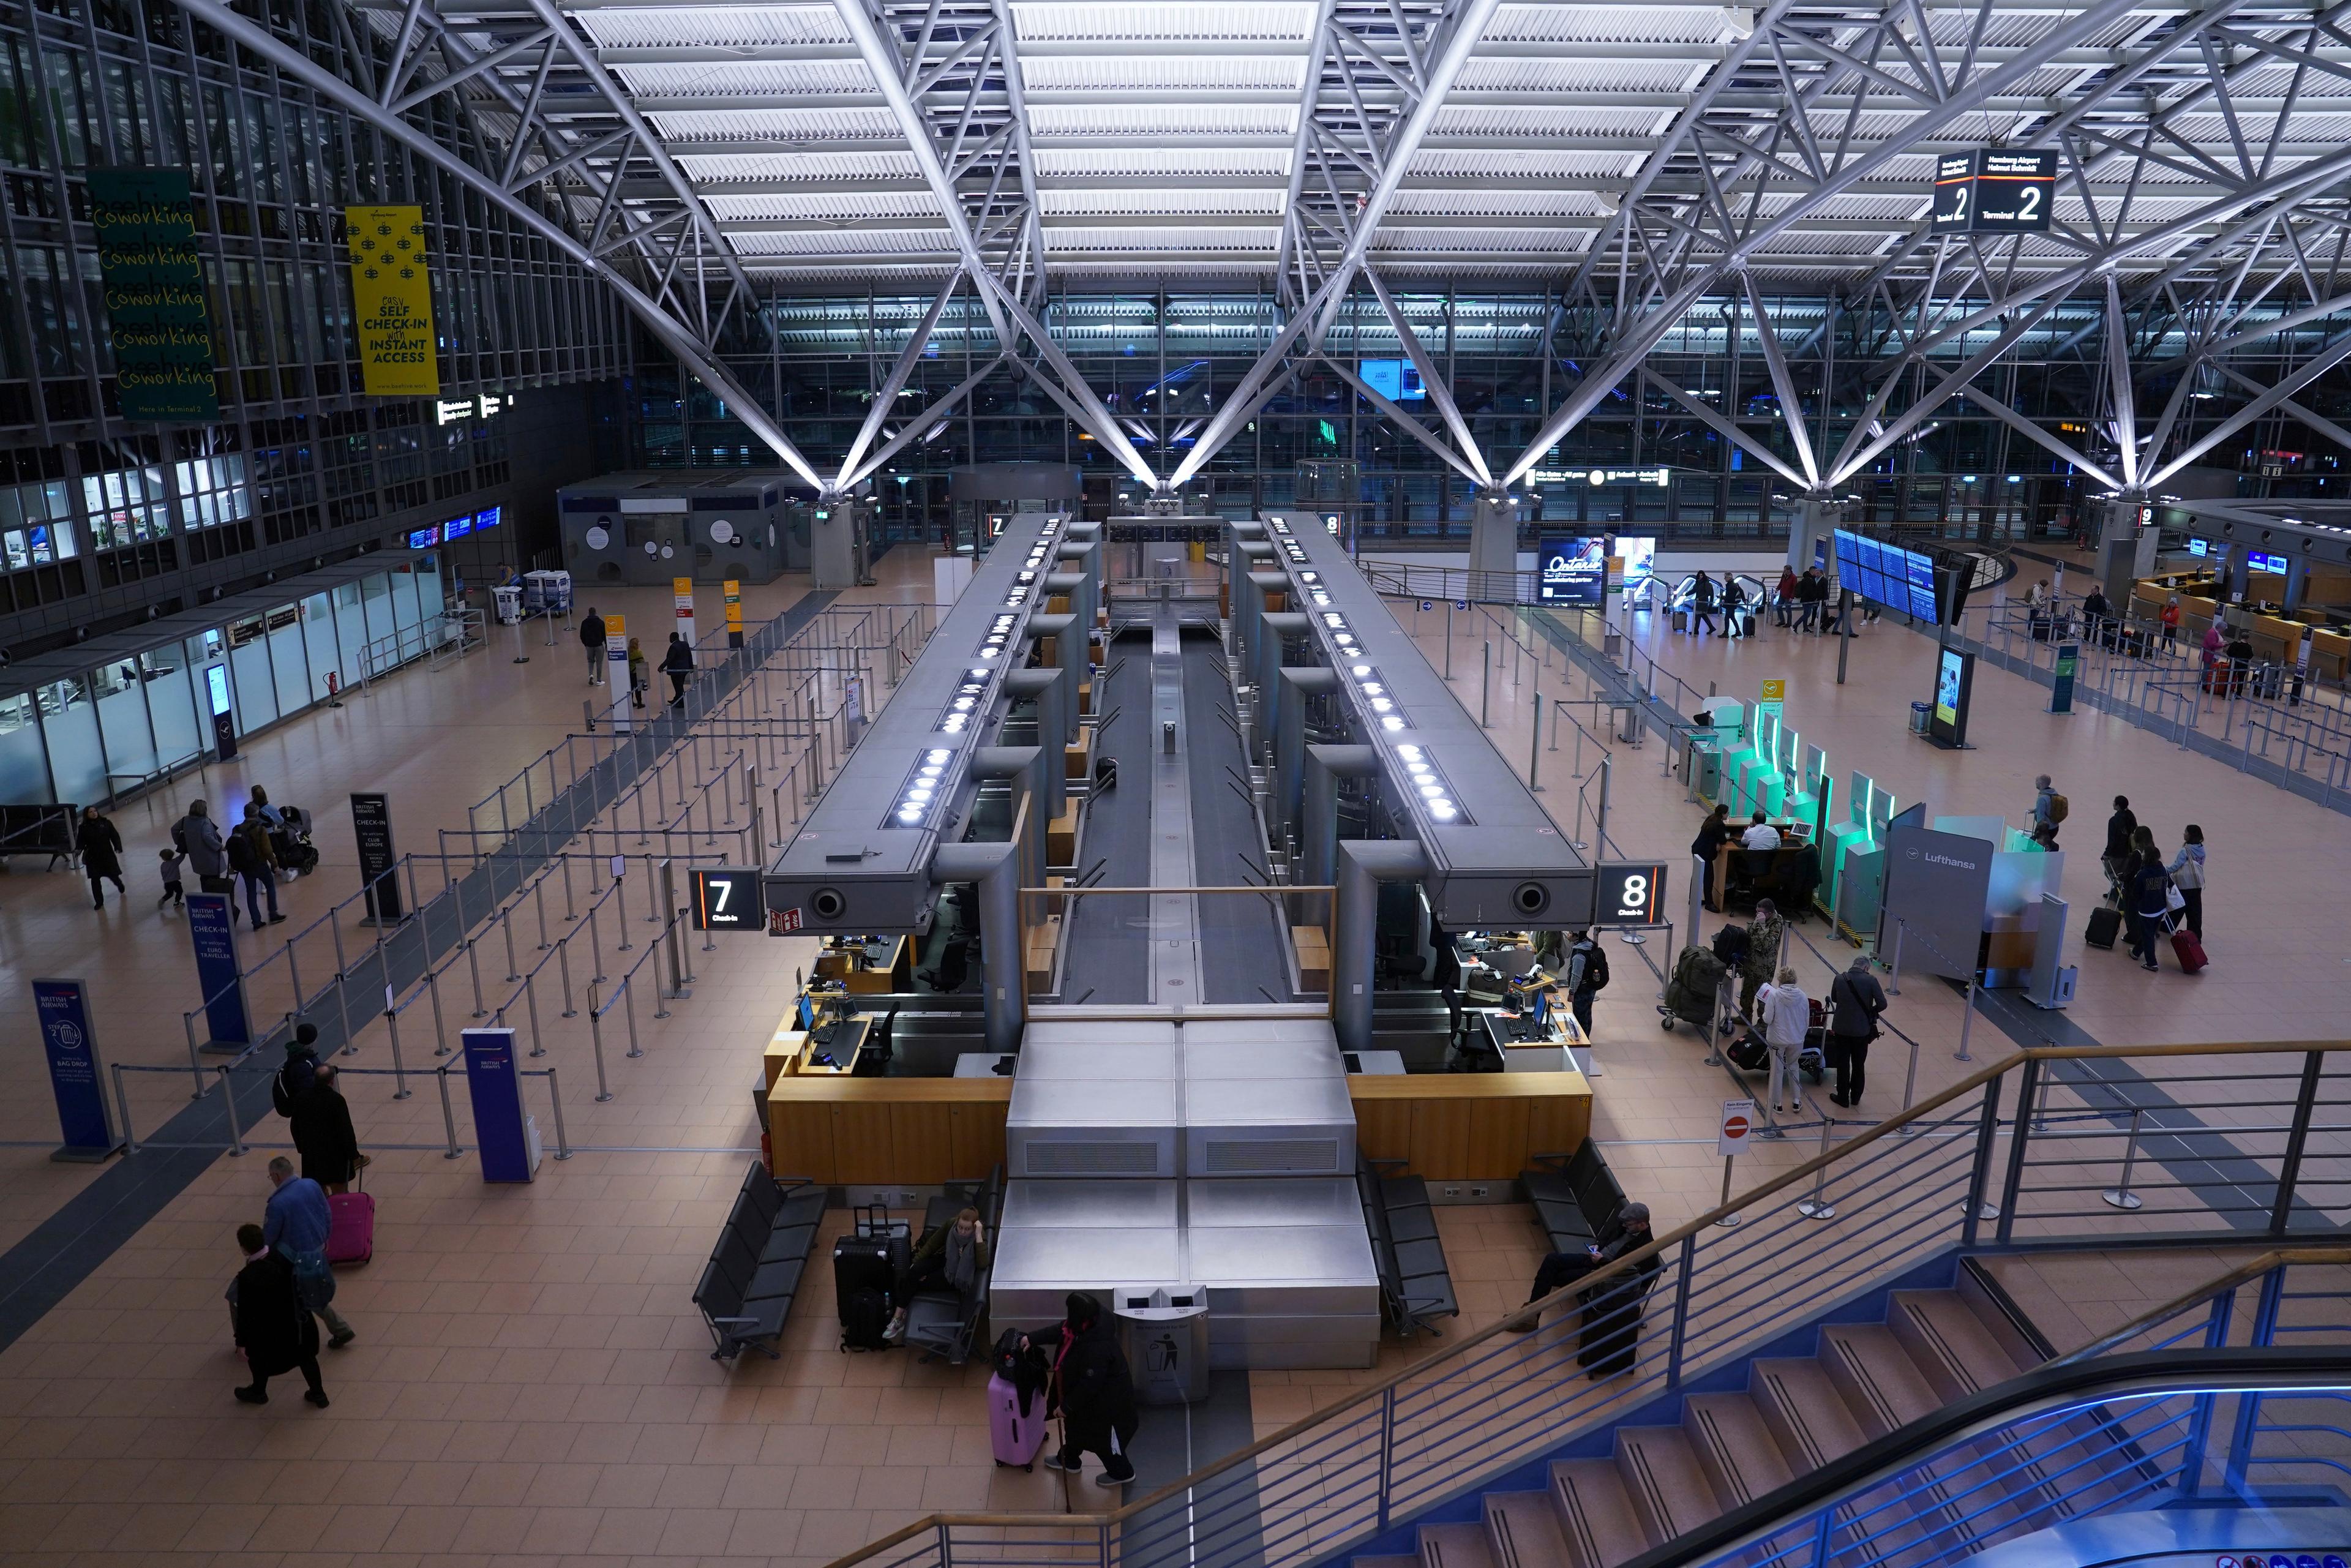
174, 894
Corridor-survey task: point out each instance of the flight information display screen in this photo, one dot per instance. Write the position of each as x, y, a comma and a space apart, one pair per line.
1887, 574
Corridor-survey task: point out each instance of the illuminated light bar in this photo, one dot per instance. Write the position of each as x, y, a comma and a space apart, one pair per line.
1377, 704
919, 797
1423, 779
999, 635
970, 699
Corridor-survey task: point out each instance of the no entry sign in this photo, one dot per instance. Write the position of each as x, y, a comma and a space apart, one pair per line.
1738, 1121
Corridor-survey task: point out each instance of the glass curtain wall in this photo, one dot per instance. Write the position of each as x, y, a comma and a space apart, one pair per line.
1164, 362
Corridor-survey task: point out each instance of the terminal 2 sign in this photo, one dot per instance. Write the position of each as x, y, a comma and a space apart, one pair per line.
1994, 190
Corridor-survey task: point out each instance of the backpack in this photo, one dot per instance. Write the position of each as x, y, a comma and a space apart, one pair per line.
241, 857
2058, 806
180, 835
1595, 968
865, 1318
1731, 946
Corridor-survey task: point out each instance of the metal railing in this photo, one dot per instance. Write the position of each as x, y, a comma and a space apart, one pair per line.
2179, 1407
2015, 1157
2263, 718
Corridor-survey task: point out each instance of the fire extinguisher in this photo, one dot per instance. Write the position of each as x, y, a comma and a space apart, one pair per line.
334, 685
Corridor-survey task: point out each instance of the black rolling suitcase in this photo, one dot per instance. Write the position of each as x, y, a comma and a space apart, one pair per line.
2105, 925
867, 1266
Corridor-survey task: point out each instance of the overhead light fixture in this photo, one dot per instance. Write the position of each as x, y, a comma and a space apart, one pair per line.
925, 786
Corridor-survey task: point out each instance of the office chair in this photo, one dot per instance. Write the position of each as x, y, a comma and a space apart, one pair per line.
954, 968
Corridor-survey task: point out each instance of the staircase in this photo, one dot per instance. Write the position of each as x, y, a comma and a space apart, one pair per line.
1862, 1381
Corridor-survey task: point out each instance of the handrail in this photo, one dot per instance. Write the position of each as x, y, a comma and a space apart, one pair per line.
2145, 1374
1662, 1249
2242, 1274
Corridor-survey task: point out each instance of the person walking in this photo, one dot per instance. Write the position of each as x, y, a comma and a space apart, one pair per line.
678, 665
1712, 834
2187, 870
2170, 618
1784, 597
1811, 592
2048, 807
101, 855
2120, 828
251, 857
323, 1135
1734, 606
1586, 977
2145, 906
198, 837
174, 894
591, 637
1855, 998
1093, 1389
275, 1332
1765, 934
1702, 596
1787, 1017
296, 1223
639, 673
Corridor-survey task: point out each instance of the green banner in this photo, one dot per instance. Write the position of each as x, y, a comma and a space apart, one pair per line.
154, 293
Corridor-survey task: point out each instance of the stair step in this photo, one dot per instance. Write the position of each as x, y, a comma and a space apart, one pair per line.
1401, 1560
1664, 1478
1595, 1516
1523, 1531
1955, 1348
1735, 1448
1807, 1416
1455, 1546
1881, 1386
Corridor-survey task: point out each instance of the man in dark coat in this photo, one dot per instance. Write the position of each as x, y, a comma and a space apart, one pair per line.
323, 1137
1611, 1311
1093, 1390
300, 1070
272, 1329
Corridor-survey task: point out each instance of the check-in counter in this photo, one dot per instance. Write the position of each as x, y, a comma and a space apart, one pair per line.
1470, 1126
879, 969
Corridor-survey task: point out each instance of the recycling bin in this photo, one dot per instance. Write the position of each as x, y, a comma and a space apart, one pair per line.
1162, 1331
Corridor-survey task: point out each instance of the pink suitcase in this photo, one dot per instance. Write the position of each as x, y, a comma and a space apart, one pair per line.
1015, 1433
351, 1226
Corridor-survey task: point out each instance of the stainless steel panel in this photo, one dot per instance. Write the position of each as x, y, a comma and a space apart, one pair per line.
1110, 1205
1086, 1258
1223, 1031
1220, 1103
1048, 1061
1287, 1268
1257, 1059
1114, 1106
1109, 1034
1245, 1201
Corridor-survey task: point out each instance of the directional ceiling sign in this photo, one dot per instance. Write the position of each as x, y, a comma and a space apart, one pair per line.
1994, 190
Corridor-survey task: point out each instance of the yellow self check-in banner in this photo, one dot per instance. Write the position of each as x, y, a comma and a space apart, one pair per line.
392, 294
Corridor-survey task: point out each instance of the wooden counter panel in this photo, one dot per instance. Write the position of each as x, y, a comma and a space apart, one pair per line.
875, 1130
1470, 1126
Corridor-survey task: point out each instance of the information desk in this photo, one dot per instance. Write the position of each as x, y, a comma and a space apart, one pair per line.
917, 1132
1470, 1126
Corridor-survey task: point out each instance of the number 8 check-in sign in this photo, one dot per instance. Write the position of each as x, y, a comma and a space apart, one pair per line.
1630, 895
729, 898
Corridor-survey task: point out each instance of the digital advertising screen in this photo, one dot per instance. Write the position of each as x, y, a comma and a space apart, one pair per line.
424, 538
1573, 571
1954, 684
1398, 381
1640, 553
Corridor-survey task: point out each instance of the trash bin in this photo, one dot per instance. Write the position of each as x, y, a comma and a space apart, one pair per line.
1163, 1332
1920, 714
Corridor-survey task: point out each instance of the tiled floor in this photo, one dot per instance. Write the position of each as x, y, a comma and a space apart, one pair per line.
531, 1383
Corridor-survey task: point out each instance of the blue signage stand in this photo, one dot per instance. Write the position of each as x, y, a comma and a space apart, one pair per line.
2060, 689
212, 923
76, 1076
495, 1082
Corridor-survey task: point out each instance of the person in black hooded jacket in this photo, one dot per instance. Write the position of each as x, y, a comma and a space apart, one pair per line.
1093, 1389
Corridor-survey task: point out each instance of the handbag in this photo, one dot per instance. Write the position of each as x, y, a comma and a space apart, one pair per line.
2174, 900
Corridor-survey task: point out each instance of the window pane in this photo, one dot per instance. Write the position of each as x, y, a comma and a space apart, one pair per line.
69, 722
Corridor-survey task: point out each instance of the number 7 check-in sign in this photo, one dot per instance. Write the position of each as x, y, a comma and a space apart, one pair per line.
729, 898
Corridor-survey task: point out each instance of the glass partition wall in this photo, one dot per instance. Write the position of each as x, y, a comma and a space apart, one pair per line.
137, 717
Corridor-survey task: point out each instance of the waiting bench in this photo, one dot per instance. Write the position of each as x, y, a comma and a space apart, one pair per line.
1416, 1286
942, 1323
1575, 1196
754, 1274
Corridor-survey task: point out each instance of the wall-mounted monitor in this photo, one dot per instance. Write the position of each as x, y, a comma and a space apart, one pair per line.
1398, 381
456, 529
424, 538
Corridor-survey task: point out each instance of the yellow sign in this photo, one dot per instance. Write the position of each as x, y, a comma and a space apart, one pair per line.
734, 605
391, 292
1775, 691
616, 629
